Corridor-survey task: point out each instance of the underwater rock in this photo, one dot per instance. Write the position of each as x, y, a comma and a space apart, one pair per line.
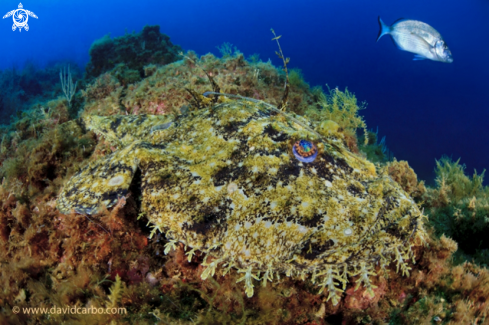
226, 181
134, 51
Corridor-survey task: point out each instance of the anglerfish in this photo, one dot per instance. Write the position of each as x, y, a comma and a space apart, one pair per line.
235, 182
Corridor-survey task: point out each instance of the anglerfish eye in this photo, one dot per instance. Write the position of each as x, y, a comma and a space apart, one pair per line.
305, 151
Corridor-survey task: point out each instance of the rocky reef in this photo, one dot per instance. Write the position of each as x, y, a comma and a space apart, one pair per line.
130, 53
136, 207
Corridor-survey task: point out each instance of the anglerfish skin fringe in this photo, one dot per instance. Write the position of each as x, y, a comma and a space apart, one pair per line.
225, 180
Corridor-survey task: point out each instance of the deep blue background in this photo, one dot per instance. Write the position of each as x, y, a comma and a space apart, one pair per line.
425, 108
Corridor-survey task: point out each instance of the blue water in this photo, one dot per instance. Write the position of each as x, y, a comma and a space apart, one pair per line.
426, 109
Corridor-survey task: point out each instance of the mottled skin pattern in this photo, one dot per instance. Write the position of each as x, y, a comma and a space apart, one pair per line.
224, 181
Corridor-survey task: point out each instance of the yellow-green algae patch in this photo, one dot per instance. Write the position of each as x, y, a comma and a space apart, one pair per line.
224, 181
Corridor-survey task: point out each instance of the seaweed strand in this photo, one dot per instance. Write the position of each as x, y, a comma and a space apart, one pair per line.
283, 103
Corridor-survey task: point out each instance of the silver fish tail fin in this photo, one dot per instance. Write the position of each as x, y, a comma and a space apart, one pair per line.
384, 29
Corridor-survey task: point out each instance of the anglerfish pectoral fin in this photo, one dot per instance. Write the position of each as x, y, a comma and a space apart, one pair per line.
101, 183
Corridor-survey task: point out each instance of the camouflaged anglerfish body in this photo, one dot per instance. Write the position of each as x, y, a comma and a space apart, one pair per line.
224, 181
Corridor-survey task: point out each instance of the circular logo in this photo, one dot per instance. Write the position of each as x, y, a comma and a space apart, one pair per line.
20, 18
16, 309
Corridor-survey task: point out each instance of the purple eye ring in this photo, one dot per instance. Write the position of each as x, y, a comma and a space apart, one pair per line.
305, 151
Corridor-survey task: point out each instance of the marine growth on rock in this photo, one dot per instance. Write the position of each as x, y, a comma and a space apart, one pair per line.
226, 180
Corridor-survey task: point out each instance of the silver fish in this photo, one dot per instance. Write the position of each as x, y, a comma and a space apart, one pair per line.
417, 37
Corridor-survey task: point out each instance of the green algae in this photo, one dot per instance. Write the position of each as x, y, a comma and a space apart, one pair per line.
459, 208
